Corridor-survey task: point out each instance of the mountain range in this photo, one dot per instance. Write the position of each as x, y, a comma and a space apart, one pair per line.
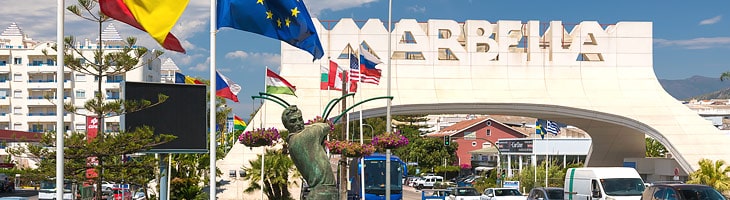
697, 87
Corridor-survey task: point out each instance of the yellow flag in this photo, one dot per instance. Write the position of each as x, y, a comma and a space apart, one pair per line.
157, 16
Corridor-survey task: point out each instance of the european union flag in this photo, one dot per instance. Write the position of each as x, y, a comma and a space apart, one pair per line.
285, 20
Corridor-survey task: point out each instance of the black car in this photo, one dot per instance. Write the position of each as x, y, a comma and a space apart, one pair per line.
681, 192
546, 193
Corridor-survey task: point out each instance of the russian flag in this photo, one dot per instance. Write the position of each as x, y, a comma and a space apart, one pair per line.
226, 88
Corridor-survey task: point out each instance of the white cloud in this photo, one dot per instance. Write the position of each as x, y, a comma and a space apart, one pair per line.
255, 58
202, 66
237, 54
695, 43
316, 7
711, 20
417, 9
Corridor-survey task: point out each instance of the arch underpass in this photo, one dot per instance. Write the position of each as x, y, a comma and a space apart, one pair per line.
599, 78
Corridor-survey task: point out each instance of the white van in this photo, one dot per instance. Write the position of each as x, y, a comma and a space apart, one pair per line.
603, 183
427, 182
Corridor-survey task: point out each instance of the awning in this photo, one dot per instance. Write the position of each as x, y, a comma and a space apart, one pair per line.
483, 168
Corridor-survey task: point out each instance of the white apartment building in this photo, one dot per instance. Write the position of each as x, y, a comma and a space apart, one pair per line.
27, 75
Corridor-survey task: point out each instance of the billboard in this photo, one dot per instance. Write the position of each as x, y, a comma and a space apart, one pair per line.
515, 146
182, 115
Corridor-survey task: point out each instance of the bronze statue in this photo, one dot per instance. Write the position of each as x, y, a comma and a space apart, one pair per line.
307, 150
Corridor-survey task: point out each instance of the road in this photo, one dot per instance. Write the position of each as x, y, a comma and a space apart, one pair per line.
31, 194
410, 193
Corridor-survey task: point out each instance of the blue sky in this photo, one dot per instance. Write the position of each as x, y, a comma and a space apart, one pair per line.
690, 38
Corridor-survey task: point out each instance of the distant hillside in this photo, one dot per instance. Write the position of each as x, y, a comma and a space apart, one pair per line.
696, 86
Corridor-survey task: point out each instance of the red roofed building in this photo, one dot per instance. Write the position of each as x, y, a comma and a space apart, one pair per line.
12, 137
483, 133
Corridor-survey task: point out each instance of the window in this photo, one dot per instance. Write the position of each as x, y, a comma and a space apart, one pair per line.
470, 136
408, 38
17, 127
80, 127
489, 132
18, 94
149, 64
473, 144
489, 123
81, 77
446, 54
80, 94
486, 145
149, 78
444, 34
17, 110
18, 77
17, 61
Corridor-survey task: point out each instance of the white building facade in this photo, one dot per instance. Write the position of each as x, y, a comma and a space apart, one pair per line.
27, 76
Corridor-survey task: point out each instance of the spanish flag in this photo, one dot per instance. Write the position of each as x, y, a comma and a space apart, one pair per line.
238, 123
156, 17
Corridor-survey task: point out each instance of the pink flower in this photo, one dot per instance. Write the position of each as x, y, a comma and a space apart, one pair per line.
390, 141
260, 137
349, 149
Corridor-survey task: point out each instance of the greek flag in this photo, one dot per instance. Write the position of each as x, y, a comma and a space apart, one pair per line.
552, 127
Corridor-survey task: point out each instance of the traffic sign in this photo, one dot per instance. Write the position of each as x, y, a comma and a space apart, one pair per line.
124, 186
676, 171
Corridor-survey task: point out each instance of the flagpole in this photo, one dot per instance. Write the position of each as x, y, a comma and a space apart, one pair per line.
59, 98
212, 107
390, 101
362, 159
263, 148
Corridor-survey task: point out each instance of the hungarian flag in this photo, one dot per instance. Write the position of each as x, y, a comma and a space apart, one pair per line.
275, 84
156, 17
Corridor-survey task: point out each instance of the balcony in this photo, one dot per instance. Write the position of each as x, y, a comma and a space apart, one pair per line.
46, 117
4, 116
4, 100
40, 83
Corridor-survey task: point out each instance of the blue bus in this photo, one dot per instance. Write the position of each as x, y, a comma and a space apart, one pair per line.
375, 177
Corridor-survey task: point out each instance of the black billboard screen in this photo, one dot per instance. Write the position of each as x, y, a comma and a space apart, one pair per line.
182, 115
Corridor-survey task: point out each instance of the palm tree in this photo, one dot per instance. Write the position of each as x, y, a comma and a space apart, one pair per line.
278, 167
712, 174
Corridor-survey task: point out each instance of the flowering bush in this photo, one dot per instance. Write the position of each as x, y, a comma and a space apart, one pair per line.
390, 141
465, 166
260, 137
319, 119
349, 149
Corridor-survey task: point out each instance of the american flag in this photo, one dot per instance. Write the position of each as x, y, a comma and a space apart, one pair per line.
354, 68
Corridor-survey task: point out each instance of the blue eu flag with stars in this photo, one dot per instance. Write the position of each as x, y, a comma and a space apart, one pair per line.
285, 20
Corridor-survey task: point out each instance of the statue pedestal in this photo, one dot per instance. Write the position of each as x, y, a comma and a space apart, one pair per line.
323, 192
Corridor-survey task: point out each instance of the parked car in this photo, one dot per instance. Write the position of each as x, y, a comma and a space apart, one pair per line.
681, 192
427, 182
464, 193
107, 186
6, 185
121, 194
139, 195
443, 185
502, 194
546, 193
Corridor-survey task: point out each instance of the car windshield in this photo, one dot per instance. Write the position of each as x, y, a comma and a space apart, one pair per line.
700, 193
466, 192
507, 192
623, 186
555, 194
51, 185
